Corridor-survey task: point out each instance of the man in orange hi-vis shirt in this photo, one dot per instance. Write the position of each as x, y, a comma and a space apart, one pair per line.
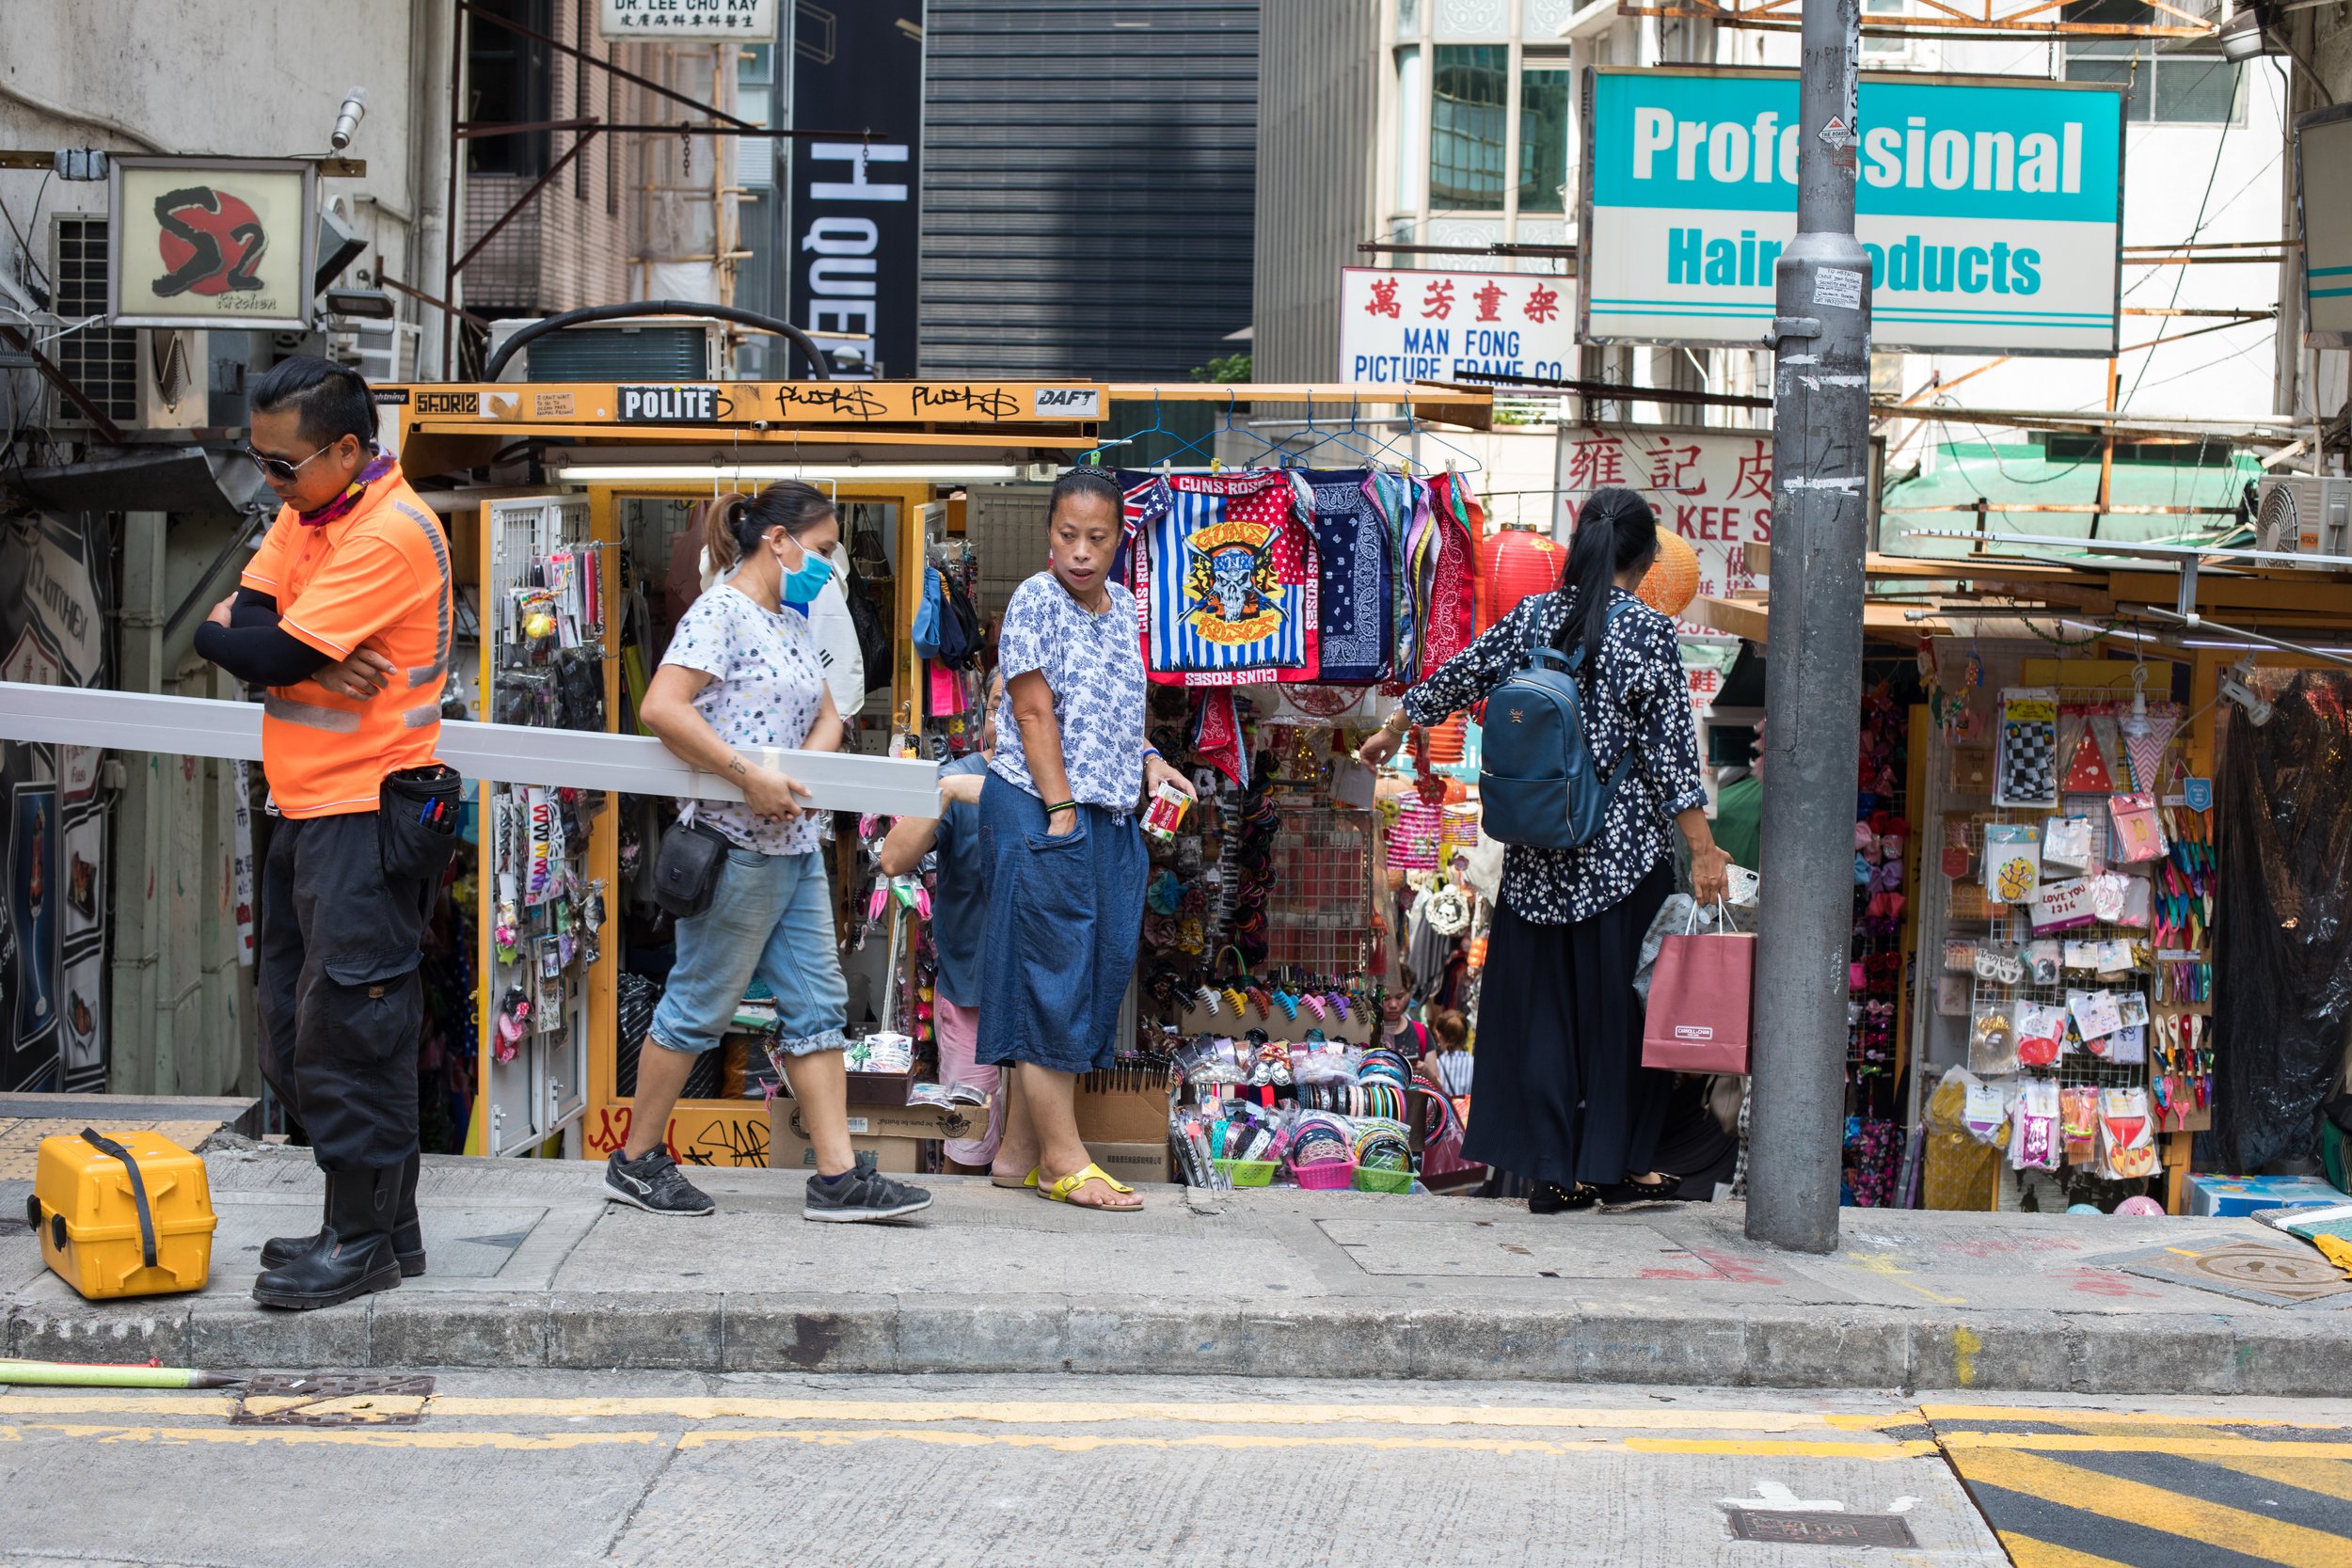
343, 615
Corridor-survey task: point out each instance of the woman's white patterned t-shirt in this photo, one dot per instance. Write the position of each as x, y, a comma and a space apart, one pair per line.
766, 688
1094, 666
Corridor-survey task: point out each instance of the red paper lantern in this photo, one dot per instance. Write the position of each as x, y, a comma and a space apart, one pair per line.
1673, 579
1513, 563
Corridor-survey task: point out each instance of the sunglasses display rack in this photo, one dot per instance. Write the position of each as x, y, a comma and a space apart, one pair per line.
547, 588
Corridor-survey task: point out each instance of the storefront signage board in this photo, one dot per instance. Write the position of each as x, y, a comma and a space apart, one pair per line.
1992, 208
1401, 325
211, 241
2322, 195
683, 20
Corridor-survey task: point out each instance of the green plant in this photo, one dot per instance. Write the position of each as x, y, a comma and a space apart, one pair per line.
1224, 367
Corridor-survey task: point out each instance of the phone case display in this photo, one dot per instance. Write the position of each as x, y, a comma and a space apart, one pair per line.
545, 595
2027, 773
2078, 1039
1882, 844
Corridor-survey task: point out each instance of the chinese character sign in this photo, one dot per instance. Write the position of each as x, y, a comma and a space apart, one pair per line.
1713, 487
1403, 325
743, 20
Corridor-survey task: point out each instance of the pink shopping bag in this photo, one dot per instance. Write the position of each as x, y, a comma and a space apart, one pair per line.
1700, 994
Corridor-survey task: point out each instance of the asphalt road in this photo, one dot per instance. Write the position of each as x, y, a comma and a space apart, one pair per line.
653, 1469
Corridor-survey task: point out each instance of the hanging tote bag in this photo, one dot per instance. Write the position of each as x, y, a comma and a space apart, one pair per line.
1700, 999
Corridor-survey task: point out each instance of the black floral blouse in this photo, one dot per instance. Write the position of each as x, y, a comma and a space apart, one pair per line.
1639, 700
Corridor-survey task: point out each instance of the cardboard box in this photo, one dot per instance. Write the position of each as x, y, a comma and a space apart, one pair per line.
1134, 1164
789, 1150
2222, 1197
1123, 1105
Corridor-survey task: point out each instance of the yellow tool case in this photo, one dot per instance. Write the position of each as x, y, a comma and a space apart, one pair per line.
128, 1214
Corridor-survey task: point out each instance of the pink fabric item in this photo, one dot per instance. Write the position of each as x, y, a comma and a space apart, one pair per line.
958, 1047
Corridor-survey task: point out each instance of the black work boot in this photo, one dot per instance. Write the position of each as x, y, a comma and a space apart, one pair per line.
407, 1234
353, 1254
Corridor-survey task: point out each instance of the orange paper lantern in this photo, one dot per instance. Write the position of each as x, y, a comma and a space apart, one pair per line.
1446, 739
1514, 562
1673, 579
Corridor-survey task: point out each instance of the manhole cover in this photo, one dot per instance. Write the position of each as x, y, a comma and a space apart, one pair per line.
2299, 1276
1820, 1528
355, 1400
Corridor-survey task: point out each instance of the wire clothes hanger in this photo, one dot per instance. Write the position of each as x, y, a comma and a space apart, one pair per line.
1414, 427
1265, 446
1157, 428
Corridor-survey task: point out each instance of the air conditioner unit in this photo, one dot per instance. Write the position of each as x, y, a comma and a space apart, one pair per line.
2304, 514
634, 348
174, 378
144, 378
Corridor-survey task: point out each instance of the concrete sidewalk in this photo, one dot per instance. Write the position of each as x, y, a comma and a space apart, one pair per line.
531, 1268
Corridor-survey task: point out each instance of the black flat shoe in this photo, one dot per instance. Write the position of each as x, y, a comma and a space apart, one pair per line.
1619, 1195
1549, 1197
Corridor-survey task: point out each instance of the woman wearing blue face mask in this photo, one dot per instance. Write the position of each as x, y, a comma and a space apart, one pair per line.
743, 671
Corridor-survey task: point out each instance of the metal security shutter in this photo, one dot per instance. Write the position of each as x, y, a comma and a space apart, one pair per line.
1089, 185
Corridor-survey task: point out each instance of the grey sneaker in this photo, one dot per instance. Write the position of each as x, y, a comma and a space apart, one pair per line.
864, 1194
653, 1184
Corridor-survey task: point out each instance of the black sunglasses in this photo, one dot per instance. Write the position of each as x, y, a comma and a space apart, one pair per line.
278, 469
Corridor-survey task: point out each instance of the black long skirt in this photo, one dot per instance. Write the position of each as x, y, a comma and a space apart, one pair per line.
1559, 1093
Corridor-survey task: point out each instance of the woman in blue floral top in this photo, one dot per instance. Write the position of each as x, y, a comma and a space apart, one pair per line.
1563, 1098
1061, 843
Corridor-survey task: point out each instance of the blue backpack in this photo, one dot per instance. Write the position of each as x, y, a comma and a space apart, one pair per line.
1537, 785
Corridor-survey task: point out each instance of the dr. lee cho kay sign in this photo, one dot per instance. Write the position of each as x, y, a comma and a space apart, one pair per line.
1992, 208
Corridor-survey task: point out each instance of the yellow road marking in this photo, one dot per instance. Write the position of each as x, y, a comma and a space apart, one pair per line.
2025, 1552
1093, 1442
2185, 1448
411, 1437
363, 1437
2330, 1477
1884, 1265
722, 1407
2153, 1507
2058, 1416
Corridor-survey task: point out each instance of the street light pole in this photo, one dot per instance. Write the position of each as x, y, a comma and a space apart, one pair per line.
1820, 498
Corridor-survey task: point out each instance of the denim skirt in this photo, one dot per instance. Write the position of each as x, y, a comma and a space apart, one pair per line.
1064, 917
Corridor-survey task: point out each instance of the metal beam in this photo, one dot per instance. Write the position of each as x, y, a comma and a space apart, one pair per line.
508, 753
579, 145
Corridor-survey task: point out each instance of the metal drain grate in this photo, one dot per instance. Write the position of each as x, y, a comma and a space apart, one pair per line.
1820, 1528
353, 1399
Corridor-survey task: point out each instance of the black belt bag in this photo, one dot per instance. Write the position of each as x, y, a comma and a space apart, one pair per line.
686, 869
415, 822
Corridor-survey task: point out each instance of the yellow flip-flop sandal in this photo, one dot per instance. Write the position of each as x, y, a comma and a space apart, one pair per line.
1029, 1181
1060, 1191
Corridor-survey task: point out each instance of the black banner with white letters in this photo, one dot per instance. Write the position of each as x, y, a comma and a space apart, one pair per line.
855, 217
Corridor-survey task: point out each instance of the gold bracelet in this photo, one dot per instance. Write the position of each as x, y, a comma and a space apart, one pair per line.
1396, 724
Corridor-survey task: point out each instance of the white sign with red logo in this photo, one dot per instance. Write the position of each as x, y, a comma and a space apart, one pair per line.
211, 241
1401, 325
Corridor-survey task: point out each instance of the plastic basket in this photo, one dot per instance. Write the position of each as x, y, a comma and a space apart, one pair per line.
1326, 1176
1368, 1180
1248, 1173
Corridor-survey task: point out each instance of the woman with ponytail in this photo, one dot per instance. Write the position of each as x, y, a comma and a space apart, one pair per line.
741, 673
1563, 1101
